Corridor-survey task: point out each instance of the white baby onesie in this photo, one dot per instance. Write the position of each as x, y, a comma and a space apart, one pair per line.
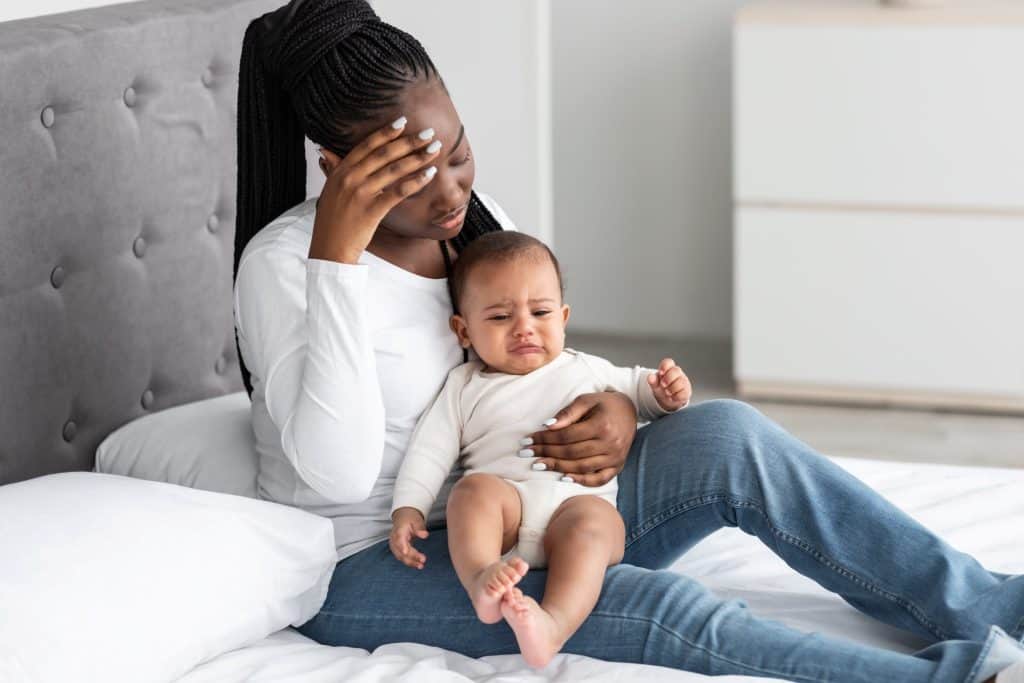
479, 418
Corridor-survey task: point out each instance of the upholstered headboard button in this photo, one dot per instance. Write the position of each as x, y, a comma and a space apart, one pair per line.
129, 96
212, 223
207, 77
139, 247
47, 117
220, 366
57, 277
70, 429
147, 399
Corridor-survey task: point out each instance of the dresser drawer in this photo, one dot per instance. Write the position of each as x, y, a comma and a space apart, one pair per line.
875, 305
858, 111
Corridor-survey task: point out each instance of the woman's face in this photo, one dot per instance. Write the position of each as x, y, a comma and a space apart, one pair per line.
438, 211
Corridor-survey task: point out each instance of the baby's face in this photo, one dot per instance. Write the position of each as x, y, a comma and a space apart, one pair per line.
512, 314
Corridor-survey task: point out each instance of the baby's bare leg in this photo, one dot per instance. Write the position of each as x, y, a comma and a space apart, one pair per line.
584, 537
483, 522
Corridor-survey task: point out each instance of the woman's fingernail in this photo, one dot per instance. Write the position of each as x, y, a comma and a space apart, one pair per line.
430, 172
539, 466
525, 453
526, 442
550, 421
426, 134
433, 147
567, 479
399, 123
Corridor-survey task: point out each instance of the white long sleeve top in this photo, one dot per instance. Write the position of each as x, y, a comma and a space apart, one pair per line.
479, 417
344, 360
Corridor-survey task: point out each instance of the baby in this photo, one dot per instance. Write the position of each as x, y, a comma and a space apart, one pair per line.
507, 513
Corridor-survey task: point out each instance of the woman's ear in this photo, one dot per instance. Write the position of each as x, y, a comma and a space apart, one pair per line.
328, 160
458, 325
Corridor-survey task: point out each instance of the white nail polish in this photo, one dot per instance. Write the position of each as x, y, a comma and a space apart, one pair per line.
430, 172
568, 480
433, 147
525, 453
550, 421
539, 466
526, 442
399, 123
426, 134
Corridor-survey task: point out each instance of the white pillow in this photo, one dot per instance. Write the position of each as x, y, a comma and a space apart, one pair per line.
108, 578
205, 445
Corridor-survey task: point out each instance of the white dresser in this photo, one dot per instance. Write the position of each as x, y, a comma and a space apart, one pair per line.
879, 203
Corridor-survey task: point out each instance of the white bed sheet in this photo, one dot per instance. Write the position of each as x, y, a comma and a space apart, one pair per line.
978, 510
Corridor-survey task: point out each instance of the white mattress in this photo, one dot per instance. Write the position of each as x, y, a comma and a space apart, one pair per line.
978, 510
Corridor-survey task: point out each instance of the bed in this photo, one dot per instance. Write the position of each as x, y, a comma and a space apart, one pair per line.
117, 206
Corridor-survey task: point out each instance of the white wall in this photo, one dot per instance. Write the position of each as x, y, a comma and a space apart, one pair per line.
21, 9
642, 171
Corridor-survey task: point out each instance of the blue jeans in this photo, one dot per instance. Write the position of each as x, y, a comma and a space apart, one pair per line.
715, 464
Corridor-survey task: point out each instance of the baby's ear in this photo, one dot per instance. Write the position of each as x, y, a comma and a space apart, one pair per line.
565, 314
458, 325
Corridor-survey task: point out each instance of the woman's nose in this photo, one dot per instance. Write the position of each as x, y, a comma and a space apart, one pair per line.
450, 190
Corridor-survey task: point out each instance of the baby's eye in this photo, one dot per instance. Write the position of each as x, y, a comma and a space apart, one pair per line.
541, 312
498, 317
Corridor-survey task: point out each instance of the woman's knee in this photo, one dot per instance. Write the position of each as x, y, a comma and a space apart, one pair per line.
731, 415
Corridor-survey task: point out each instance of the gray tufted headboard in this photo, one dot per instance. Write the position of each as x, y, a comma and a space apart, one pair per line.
117, 209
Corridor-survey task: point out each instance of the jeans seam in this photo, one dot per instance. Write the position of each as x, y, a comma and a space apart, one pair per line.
654, 622
916, 612
973, 673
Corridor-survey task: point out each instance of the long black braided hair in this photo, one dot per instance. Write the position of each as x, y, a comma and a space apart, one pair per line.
317, 69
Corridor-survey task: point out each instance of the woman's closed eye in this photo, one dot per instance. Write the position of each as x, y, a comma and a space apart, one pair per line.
464, 159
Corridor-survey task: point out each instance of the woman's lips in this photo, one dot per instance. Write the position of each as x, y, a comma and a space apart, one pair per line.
453, 220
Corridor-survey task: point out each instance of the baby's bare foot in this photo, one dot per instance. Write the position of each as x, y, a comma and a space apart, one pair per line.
536, 630
491, 584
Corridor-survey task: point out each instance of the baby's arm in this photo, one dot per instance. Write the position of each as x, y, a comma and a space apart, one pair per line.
433, 451
639, 384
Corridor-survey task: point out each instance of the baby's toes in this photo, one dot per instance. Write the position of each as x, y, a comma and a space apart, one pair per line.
520, 566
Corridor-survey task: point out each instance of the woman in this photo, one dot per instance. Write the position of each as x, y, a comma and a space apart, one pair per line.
341, 311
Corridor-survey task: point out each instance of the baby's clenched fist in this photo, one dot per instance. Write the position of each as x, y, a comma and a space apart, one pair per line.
671, 386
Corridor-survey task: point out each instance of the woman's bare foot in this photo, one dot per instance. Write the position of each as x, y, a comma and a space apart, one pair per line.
536, 630
491, 584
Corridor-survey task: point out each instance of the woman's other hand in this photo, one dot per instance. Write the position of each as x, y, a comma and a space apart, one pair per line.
362, 187
406, 523
590, 438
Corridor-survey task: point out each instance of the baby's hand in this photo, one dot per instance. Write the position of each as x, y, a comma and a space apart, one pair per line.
406, 523
671, 386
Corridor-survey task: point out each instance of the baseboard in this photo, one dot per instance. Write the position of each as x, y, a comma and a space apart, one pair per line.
880, 397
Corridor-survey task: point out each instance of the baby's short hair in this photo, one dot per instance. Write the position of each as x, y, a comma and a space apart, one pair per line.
501, 246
